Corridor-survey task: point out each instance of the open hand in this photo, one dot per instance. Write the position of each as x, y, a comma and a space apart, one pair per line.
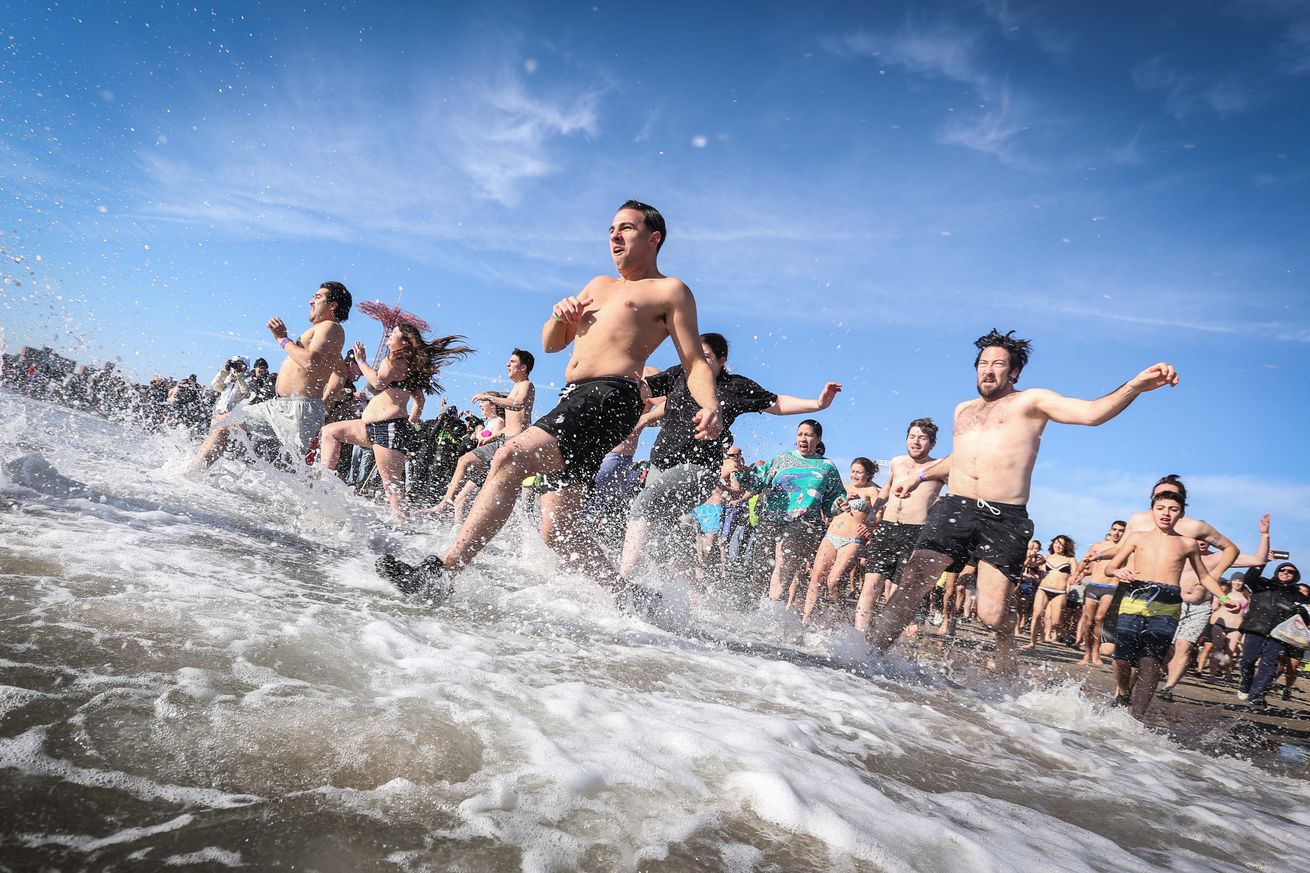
829, 392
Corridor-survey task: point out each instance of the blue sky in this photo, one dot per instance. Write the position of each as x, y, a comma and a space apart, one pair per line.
854, 191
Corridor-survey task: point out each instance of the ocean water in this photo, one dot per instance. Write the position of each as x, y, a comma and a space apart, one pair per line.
204, 673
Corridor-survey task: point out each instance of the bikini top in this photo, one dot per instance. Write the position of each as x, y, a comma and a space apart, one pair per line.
859, 504
1063, 568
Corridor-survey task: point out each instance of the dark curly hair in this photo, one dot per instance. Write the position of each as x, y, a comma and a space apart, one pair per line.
1018, 349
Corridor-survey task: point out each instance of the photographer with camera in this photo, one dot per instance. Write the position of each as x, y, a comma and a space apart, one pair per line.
229, 384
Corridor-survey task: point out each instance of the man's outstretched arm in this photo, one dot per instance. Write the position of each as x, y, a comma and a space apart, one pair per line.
1072, 410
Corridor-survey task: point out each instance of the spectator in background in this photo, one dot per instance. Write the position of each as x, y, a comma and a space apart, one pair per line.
1273, 601
261, 382
229, 383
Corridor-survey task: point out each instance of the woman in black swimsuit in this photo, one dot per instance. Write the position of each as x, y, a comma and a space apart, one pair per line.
1048, 606
408, 370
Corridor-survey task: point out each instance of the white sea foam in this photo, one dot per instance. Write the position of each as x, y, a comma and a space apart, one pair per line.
208, 672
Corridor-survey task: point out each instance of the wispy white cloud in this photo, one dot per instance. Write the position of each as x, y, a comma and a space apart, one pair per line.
430, 169
945, 50
1187, 93
1019, 21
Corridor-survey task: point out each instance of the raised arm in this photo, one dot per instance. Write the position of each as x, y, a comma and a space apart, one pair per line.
786, 404
1257, 559
1071, 410
685, 333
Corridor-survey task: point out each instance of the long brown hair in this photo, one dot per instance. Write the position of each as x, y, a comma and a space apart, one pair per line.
423, 360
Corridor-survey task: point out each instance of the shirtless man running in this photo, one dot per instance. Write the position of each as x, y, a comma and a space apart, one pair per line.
517, 404
989, 474
902, 519
296, 414
614, 324
1098, 594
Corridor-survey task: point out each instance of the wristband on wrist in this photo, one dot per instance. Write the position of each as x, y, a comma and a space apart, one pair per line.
922, 478
282, 343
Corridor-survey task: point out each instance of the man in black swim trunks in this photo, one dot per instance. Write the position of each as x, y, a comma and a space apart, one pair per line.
989, 475
614, 324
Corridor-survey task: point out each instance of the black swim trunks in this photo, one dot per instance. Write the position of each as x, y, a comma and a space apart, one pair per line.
889, 548
996, 533
593, 416
394, 433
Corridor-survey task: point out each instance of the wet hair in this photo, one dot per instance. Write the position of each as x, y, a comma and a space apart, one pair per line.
927, 425
338, 294
525, 358
500, 410
1068, 544
1169, 495
814, 425
1017, 349
1119, 522
650, 215
870, 466
717, 343
1178, 487
820, 449
424, 359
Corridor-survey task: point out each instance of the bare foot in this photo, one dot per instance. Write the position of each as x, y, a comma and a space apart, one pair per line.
1029, 647
1097, 662
1084, 661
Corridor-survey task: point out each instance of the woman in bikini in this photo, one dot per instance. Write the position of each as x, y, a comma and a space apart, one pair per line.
841, 544
1220, 648
1049, 603
408, 370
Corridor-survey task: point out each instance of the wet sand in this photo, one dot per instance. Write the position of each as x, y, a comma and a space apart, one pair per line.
1205, 714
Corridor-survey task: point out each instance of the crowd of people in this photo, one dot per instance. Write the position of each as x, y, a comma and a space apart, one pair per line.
942, 539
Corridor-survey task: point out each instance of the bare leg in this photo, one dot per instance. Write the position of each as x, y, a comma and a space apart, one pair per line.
823, 562
1039, 612
1148, 676
1086, 629
1290, 671
466, 460
634, 545
916, 578
1123, 678
947, 627
1178, 661
391, 467
994, 592
871, 591
561, 530
463, 499
1054, 615
213, 446
531, 452
333, 436
843, 560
